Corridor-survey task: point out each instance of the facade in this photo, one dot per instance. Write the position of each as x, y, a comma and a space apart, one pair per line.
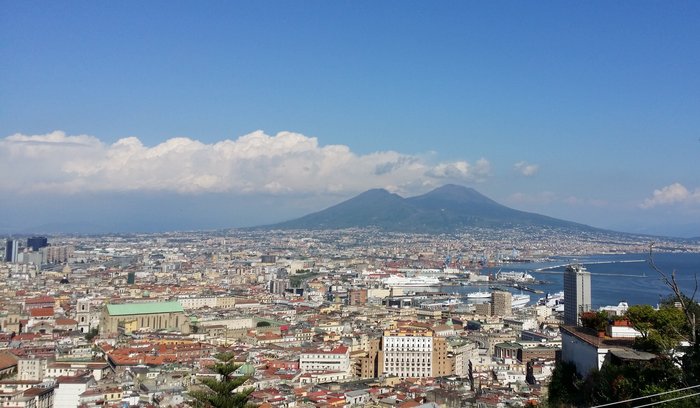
67, 394
57, 254
269, 259
212, 302
577, 293
501, 302
36, 243
31, 369
483, 309
586, 352
337, 359
357, 297
414, 353
279, 286
368, 364
135, 316
11, 250
87, 314
442, 364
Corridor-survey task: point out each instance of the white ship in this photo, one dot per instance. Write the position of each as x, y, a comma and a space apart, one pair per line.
520, 301
554, 301
479, 295
514, 276
404, 282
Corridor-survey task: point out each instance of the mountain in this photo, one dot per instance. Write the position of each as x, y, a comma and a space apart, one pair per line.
448, 208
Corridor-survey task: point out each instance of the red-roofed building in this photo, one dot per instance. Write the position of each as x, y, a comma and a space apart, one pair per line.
8, 363
336, 359
39, 302
41, 312
63, 323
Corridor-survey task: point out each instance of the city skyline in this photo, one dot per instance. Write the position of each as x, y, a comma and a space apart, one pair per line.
152, 117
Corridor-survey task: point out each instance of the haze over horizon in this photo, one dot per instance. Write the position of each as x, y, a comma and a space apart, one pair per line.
164, 116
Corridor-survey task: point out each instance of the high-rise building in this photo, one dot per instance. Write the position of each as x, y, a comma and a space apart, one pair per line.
57, 254
36, 243
279, 286
577, 293
11, 250
268, 259
501, 302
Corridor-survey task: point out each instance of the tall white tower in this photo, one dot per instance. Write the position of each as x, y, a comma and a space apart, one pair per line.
577, 293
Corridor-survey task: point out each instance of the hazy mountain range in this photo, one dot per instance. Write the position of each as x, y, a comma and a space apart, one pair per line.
448, 208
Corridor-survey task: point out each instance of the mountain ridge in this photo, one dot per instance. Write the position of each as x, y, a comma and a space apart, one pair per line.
448, 208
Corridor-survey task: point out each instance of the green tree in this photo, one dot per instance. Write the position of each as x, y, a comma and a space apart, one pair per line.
220, 393
661, 330
92, 333
564, 387
597, 321
687, 304
619, 382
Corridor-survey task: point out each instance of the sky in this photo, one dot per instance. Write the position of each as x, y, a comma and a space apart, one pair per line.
167, 115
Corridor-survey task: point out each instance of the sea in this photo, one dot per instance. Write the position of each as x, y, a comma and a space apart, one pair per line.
614, 277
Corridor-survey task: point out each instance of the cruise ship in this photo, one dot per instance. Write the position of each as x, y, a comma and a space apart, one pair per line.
554, 301
404, 282
520, 301
479, 295
514, 276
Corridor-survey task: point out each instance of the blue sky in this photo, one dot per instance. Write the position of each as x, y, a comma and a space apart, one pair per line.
576, 110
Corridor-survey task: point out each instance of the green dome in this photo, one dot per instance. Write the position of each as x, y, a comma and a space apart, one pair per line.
246, 369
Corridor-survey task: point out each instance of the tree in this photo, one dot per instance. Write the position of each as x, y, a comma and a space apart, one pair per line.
661, 333
92, 333
220, 393
564, 387
597, 321
688, 303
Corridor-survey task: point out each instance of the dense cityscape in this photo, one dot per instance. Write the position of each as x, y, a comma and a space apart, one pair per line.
307, 318
341, 204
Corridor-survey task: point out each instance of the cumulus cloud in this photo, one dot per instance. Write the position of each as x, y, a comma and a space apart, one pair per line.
526, 169
254, 163
672, 194
461, 170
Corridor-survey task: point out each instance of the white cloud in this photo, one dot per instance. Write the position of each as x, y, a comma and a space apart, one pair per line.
672, 194
526, 169
462, 170
285, 163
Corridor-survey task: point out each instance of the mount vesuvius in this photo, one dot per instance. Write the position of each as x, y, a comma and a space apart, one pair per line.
446, 209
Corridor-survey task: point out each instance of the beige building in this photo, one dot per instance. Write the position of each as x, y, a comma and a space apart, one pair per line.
366, 362
213, 302
31, 369
502, 303
153, 316
414, 352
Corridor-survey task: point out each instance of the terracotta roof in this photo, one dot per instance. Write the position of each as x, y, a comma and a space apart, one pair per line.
61, 321
7, 360
73, 380
42, 312
40, 299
